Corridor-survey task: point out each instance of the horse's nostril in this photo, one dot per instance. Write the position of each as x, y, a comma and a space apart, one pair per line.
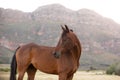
56, 54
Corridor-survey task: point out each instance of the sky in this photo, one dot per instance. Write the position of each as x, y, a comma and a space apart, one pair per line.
106, 8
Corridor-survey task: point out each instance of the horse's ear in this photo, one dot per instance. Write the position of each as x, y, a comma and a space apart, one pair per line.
62, 28
67, 29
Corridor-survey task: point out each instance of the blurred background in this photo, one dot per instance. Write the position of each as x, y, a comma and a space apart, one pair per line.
96, 23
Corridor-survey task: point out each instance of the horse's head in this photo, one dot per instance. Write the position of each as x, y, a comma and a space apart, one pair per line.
66, 42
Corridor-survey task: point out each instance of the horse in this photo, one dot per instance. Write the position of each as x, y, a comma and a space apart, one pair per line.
62, 60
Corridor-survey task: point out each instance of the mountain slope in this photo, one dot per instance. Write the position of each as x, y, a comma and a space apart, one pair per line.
5, 55
99, 36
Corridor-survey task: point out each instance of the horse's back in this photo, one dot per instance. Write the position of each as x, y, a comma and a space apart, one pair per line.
32, 50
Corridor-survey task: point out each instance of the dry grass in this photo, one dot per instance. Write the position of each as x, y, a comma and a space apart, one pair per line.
80, 75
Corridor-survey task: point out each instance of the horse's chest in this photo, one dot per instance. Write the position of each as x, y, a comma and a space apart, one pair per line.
74, 66
68, 64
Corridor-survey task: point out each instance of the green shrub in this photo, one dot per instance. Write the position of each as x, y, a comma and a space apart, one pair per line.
114, 69
5, 69
117, 70
111, 69
92, 68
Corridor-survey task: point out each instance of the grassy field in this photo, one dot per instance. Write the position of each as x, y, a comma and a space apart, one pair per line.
79, 75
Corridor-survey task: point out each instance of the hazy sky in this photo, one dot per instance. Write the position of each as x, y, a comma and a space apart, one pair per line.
107, 8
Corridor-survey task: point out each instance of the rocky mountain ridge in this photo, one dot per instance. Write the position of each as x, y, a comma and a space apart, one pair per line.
99, 36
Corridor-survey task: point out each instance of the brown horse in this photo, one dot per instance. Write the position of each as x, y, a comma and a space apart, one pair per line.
62, 60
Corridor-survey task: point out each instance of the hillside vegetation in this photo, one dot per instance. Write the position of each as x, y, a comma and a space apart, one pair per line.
5, 55
99, 36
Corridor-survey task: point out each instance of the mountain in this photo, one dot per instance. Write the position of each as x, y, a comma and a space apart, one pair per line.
99, 36
5, 55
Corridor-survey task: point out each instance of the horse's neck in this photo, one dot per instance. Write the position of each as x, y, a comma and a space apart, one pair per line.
76, 53
77, 48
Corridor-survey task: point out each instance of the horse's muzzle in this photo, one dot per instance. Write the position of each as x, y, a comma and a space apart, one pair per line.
57, 54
